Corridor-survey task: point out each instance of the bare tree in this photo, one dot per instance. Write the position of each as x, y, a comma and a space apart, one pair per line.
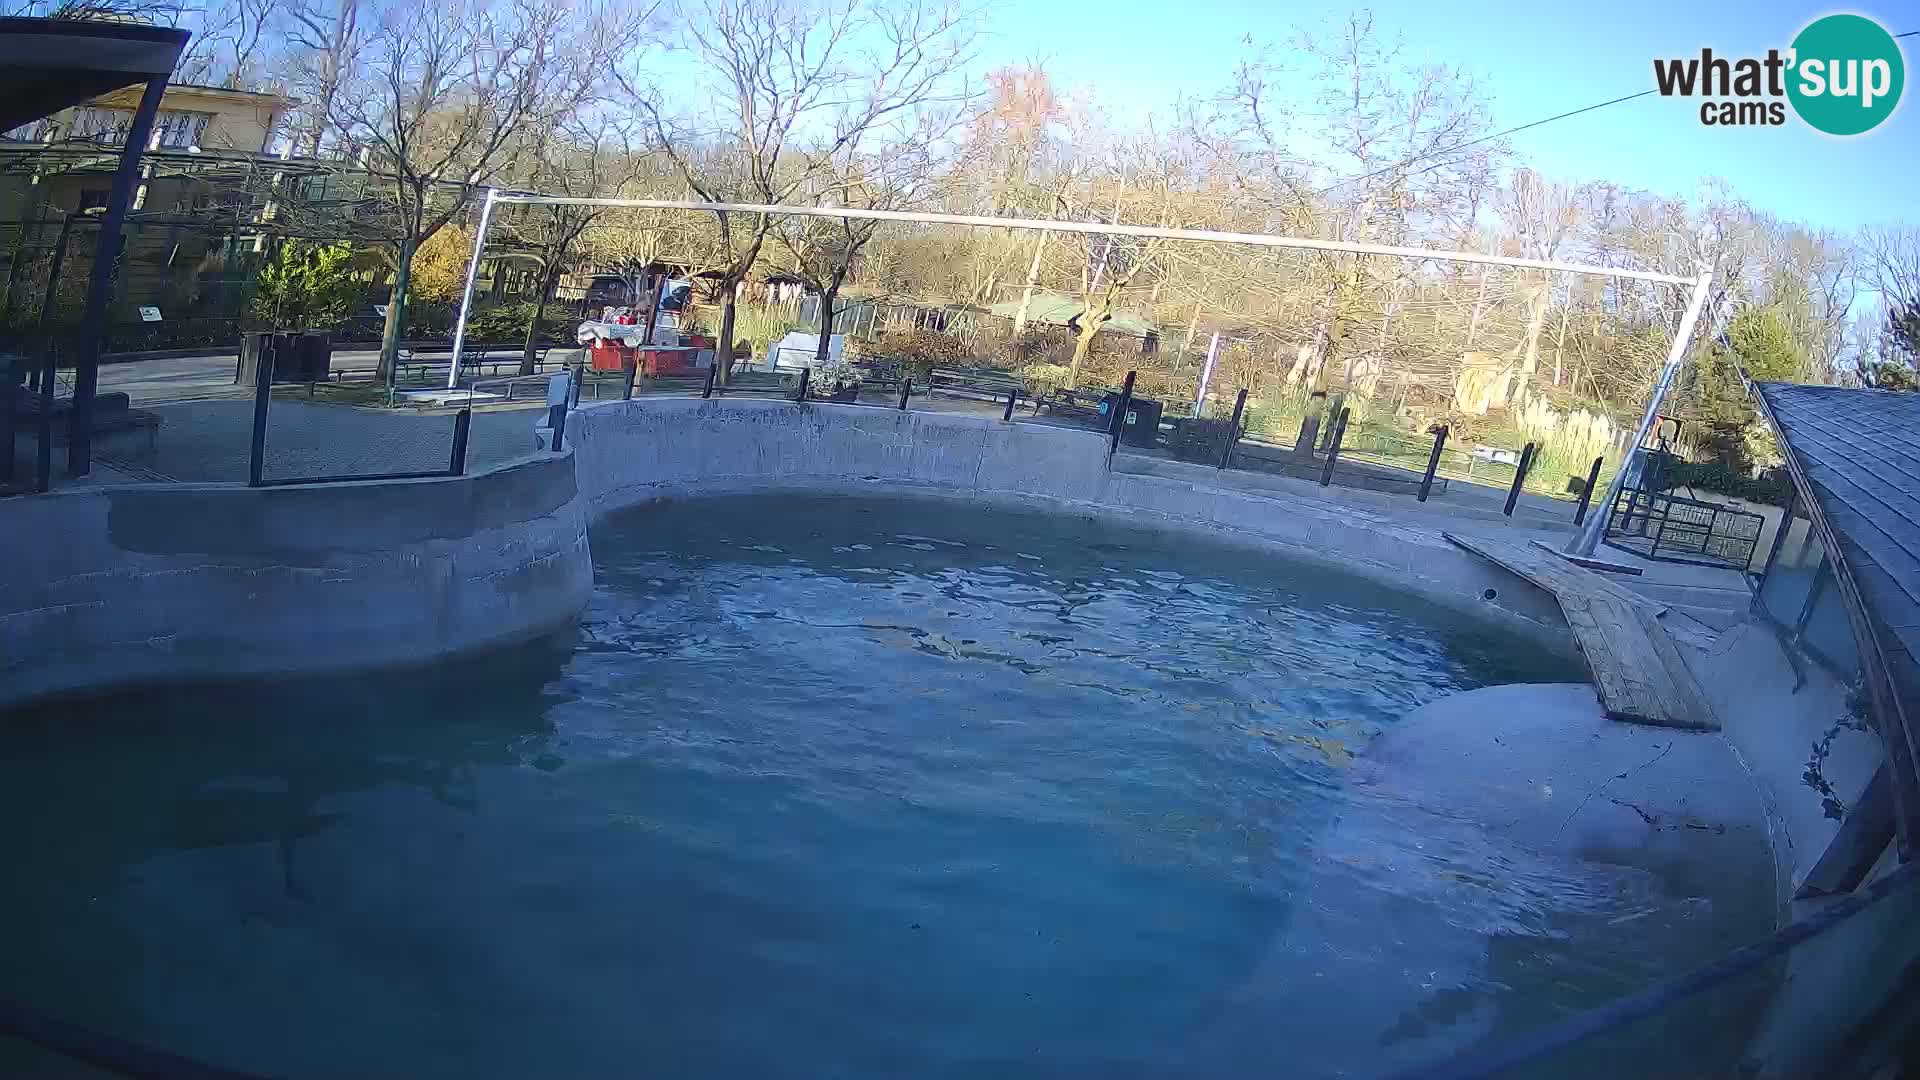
324, 36
436, 102
231, 42
575, 157
786, 91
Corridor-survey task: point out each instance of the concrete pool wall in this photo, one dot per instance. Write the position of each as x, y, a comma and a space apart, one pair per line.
115, 585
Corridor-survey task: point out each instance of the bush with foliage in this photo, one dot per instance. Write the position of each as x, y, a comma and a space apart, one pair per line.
834, 375
1035, 345
920, 349
307, 285
1041, 380
508, 323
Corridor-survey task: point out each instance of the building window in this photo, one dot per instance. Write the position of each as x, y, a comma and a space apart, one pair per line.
179, 130
93, 199
172, 130
1800, 597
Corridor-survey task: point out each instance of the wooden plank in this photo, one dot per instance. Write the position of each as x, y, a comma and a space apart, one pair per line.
1637, 669
1586, 563
1548, 570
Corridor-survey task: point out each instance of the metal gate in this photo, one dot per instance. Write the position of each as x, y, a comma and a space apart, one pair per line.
1669, 528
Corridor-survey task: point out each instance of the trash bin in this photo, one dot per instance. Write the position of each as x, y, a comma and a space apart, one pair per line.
1142, 424
297, 357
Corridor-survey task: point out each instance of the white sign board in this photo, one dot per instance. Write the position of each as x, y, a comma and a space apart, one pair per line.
380, 310
149, 314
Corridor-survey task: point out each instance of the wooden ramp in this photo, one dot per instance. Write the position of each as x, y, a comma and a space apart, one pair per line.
1636, 666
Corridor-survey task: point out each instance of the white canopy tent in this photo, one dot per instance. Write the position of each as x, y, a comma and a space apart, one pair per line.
1584, 543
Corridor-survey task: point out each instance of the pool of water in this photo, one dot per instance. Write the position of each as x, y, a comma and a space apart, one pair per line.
819, 788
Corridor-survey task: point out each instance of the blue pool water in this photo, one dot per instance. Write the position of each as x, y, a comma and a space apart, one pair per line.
819, 788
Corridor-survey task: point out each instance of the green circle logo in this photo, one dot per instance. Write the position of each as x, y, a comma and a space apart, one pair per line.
1847, 73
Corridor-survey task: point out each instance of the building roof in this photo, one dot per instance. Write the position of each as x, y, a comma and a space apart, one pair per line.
1054, 309
51, 64
1856, 454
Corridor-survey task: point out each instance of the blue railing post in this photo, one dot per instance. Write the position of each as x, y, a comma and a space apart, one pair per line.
262, 396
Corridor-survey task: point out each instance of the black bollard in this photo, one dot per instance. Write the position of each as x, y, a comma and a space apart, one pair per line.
1433, 461
1586, 494
1333, 447
906, 387
1233, 428
462, 425
708, 391
805, 373
1012, 396
1519, 478
1119, 420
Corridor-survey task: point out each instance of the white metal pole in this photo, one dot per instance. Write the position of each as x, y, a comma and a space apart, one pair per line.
1102, 228
1206, 375
1588, 539
466, 296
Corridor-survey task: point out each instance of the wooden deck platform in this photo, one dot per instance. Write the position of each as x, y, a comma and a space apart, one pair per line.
1637, 667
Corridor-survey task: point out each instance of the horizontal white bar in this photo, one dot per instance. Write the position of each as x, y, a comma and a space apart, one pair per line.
1099, 228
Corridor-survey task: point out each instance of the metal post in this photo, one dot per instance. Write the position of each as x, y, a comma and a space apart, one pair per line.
1519, 478
1206, 375
262, 396
579, 380
557, 420
712, 370
1334, 405
1586, 495
1588, 538
1433, 461
1233, 428
106, 260
653, 311
906, 387
12, 382
805, 373
1012, 397
466, 293
53, 281
43, 467
462, 422
1119, 420
630, 367
1333, 448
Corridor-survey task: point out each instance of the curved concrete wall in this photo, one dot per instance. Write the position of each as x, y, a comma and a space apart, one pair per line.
634, 451
108, 586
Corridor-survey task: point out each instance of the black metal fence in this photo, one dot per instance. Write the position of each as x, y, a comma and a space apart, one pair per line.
1668, 528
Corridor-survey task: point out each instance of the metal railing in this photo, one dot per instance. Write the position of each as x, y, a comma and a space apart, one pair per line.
1669, 528
257, 445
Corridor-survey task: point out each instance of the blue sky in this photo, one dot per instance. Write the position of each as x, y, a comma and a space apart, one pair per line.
1535, 60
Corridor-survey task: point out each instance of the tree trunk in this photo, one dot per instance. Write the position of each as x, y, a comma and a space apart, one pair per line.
824, 347
1479, 302
1082, 345
1559, 346
396, 312
1536, 320
723, 347
533, 324
1026, 294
